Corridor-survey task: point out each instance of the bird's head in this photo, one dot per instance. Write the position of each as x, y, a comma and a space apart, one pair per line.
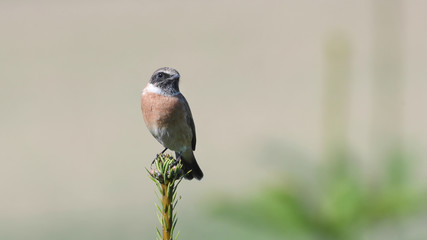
167, 79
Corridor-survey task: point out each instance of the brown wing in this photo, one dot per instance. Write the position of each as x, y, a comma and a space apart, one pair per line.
190, 121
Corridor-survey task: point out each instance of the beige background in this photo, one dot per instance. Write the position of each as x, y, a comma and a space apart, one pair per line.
73, 142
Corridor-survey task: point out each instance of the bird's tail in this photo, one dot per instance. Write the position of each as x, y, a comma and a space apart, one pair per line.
189, 163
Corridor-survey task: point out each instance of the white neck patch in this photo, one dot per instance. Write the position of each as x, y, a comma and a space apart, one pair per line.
153, 89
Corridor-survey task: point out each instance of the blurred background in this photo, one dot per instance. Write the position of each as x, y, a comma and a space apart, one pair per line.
310, 116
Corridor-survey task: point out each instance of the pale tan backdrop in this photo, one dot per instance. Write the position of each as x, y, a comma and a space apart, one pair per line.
73, 145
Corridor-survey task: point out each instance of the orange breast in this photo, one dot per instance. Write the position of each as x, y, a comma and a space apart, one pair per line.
160, 110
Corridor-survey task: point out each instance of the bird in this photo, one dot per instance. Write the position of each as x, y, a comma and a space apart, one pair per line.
168, 117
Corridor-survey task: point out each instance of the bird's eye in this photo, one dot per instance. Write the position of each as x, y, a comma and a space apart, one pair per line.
160, 75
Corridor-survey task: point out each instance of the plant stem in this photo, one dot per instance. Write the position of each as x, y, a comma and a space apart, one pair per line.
167, 209
167, 174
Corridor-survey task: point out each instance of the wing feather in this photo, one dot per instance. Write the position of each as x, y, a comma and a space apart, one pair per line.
190, 121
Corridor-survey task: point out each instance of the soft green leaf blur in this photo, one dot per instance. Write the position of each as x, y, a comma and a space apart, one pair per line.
339, 205
310, 118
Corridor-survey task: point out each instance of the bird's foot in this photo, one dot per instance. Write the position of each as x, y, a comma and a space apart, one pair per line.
177, 159
157, 156
164, 150
154, 159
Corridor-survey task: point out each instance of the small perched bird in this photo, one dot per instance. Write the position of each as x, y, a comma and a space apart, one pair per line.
168, 118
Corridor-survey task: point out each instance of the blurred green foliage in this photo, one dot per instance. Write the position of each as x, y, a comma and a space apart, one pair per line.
340, 203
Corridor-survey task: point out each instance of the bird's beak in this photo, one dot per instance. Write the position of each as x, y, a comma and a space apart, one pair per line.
174, 77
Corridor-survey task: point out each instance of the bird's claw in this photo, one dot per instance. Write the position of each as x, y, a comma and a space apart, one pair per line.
177, 160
